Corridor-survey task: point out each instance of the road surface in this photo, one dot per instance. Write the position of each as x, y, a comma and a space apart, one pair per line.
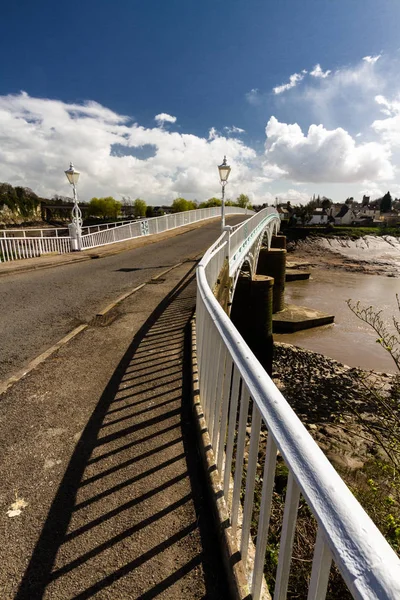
39, 307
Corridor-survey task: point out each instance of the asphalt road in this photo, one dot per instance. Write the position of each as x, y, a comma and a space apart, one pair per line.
38, 308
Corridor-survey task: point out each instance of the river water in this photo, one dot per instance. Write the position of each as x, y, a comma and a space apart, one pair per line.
348, 340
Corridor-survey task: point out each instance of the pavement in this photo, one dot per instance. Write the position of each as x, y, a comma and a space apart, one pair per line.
42, 305
102, 491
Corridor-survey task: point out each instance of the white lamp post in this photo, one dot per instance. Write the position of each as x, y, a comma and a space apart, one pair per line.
76, 226
224, 171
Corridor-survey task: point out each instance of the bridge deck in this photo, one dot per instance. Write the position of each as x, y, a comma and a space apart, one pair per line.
114, 492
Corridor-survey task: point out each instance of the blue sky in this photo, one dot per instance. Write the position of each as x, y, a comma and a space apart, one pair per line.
211, 65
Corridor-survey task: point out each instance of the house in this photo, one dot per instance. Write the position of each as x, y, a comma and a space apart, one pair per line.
283, 212
319, 217
390, 219
342, 214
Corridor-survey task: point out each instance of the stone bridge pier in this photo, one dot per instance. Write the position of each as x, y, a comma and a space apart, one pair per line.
256, 297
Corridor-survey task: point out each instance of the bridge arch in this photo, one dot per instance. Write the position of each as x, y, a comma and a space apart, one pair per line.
245, 246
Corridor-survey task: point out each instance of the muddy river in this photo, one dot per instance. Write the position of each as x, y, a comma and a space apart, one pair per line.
348, 340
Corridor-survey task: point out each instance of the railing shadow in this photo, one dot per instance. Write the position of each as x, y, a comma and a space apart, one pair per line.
130, 517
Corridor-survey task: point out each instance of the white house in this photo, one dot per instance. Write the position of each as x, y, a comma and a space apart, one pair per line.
319, 217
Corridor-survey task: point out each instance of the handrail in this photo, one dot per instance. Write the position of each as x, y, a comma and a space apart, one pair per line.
368, 565
29, 243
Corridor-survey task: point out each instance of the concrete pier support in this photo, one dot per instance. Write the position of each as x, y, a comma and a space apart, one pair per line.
252, 315
273, 264
278, 241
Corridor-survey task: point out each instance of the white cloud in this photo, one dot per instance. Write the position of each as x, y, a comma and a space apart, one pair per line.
39, 137
389, 128
212, 134
253, 97
323, 155
234, 129
371, 190
164, 118
293, 81
319, 73
346, 97
290, 195
372, 59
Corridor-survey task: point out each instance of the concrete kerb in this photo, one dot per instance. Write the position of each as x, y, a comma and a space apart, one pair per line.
5, 385
235, 569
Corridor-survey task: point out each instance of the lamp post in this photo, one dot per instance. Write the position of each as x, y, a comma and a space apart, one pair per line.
75, 228
224, 171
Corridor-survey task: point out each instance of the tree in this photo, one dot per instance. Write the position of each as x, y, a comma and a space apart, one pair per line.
23, 202
386, 428
386, 203
181, 205
150, 212
139, 208
210, 203
104, 207
326, 203
243, 201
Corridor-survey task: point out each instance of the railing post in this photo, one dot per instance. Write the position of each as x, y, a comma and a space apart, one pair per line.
76, 239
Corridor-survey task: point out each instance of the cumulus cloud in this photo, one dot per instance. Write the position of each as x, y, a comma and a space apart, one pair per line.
164, 118
345, 98
293, 81
324, 155
372, 59
39, 137
234, 130
319, 73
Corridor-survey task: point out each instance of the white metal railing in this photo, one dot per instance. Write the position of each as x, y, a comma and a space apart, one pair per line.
154, 225
34, 233
229, 376
30, 247
60, 231
28, 243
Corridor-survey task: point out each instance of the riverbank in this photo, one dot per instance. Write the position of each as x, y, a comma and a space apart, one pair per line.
373, 255
347, 419
326, 394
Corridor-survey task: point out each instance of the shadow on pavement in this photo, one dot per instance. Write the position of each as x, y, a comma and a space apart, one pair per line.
130, 518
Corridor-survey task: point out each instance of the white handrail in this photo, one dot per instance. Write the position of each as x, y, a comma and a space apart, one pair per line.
27, 243
154, 225
367, 563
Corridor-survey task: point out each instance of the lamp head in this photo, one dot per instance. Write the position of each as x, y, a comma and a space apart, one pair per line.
72, 174
224, 171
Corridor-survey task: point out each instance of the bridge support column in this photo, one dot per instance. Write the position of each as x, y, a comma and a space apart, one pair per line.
273, 263
252, 316
278, 241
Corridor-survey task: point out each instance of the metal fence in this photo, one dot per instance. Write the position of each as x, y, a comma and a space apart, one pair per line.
153, 225
230, 378
27, 243
30, 247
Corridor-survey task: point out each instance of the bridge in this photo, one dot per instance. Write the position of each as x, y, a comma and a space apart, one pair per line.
17, 244
237, 406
